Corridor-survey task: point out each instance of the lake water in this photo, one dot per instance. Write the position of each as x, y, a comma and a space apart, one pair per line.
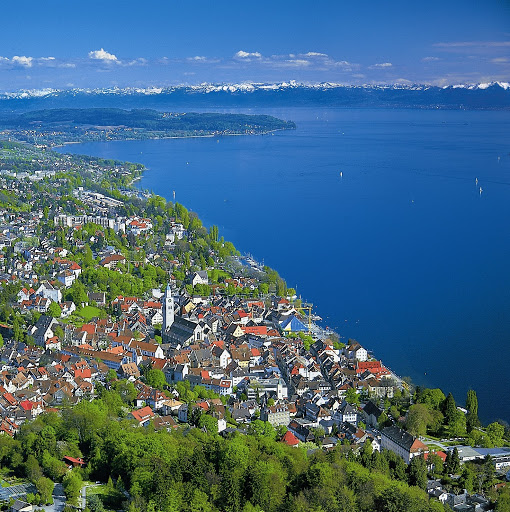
401, 251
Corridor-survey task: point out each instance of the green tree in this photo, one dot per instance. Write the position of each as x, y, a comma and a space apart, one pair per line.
457, 427
435, 462
417, 471
94, 503
155, 378
45, 489
59, 332
72, 484
449, 410
259, 428
468, 479
54, 310
209, 423
495, 432
352, 397
32, 468
472, 420
452, 464
434, 398
503, 501
417, 419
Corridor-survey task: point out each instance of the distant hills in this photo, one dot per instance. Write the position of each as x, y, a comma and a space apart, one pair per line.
495, 95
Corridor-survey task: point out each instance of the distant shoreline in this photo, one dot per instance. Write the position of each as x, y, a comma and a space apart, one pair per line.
209, 136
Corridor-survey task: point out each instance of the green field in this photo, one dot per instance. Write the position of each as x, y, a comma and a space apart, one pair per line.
88, 312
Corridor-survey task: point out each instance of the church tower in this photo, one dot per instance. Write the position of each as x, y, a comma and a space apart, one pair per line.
168, 311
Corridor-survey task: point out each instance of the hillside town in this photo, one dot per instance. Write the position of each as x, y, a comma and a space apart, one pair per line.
101, 292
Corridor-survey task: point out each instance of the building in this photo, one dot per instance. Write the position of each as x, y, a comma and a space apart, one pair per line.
346, 413
276, 414
182, 332
402, 443
143, 416
167, 310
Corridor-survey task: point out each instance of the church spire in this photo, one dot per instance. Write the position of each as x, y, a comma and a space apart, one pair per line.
168, 310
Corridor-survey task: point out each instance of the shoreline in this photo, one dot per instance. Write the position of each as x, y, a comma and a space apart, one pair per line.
318, 331
208, 136
374, 342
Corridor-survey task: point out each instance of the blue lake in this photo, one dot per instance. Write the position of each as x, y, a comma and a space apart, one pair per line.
401, 251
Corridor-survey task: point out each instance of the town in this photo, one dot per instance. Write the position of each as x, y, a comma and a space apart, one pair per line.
106, 289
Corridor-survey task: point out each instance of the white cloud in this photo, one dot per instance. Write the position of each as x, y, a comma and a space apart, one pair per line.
137, 62
381, 65
198, 58
344, 64
500, 60
241, 54
297, 62
46, 59
103, 55
315, 54
22, 61
430, 59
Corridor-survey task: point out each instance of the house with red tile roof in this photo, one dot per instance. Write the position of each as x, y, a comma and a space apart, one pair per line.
290, 439
143, 416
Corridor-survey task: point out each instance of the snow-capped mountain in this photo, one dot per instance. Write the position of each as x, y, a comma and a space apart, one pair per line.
494, 95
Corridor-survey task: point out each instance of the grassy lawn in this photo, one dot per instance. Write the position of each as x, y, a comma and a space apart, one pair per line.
111, 498
82, 316
88, 312
434, 447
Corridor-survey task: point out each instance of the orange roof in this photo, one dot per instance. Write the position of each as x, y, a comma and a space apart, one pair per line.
84, 374
119, 349
440, 454
203, 405
86, 346
290, 439
88, 328
143, 414
10, 398
259, 330
27, 405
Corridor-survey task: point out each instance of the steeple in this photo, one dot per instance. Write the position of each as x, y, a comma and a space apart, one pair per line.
168, 310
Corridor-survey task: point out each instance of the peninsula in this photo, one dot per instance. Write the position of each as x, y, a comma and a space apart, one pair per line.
64, 125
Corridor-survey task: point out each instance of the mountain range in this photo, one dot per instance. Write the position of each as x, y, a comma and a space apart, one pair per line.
495, 95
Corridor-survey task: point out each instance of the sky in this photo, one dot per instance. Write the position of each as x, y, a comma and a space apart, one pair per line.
94, 44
